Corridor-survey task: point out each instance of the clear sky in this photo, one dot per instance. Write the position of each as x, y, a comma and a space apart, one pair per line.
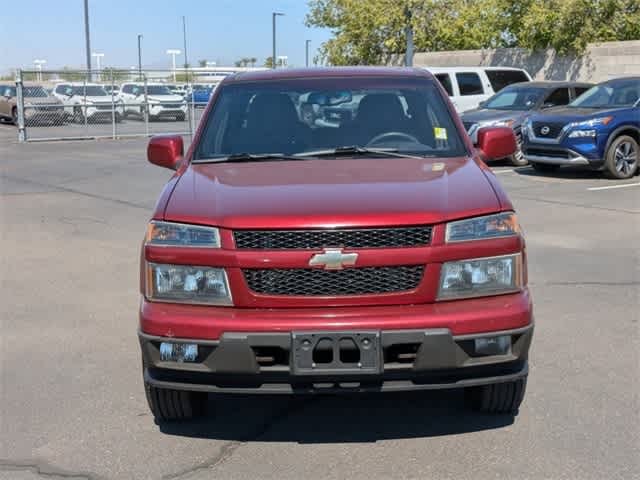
218, 30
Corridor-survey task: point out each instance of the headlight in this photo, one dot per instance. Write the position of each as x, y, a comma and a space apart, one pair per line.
583, 134
483, 228
181, 235
187, 284
480, 277
501, 123
591, 123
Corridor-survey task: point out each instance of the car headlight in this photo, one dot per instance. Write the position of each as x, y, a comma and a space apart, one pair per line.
182, 235
591, 123
501, 123
583, 134
483, 228
480, 277
187, 284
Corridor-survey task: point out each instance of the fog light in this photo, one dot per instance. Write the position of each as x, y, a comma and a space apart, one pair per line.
493, 345
178, 352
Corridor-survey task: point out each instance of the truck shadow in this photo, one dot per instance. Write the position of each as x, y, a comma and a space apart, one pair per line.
336, 419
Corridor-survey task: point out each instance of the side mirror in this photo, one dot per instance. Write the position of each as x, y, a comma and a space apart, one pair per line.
496, 142
166, 151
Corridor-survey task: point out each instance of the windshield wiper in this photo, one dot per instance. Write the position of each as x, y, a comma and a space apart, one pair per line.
355, 150
249, 157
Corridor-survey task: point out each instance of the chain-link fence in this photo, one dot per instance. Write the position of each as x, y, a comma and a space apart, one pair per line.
110, 103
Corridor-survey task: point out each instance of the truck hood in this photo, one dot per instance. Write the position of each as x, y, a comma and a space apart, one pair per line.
41, 101
490, 115
166, 98
331, 193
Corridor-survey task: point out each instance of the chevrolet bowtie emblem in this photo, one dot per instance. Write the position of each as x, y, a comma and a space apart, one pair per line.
333, 259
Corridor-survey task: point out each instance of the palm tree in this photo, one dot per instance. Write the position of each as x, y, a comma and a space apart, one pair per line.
203, 62
253, 61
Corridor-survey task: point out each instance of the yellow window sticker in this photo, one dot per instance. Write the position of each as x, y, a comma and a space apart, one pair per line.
440, 133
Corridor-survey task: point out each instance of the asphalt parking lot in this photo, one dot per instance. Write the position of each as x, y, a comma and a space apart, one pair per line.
71, 398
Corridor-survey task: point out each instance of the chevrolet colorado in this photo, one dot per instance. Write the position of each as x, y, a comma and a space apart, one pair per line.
375, 253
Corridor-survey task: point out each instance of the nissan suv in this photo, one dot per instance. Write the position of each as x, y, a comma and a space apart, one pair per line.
378, 253
599, 130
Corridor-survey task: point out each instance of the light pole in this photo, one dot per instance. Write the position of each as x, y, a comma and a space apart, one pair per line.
86, 37
273, 21
306, 52
38, 63
173, 52
98, 57
139, 58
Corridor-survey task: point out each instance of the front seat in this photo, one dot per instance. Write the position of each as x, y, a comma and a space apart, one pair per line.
379, 113
273, 126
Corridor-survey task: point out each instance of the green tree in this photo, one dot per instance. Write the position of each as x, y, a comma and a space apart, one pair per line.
203, 62
109, 74
268, 62
72, 74
253, 61
369, 32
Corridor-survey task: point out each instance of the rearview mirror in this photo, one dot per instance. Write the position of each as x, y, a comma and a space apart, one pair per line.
166, 151
496, 142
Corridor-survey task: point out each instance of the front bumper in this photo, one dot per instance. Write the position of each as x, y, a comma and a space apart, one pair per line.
261, 363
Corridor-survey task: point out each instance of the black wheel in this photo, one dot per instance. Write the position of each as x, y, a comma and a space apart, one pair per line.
498, 397
14, 116
171, 405
517, 158
545, 167
621, 160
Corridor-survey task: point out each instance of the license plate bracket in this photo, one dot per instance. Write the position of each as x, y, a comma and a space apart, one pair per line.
344, 353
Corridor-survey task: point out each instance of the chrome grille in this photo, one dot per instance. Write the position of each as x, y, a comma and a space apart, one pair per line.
306, 282
346, 238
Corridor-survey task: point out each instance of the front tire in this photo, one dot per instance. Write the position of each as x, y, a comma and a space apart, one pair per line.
545, 167
621, 161
497, 398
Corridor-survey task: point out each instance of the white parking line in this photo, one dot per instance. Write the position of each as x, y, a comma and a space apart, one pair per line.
611, 187
503, 171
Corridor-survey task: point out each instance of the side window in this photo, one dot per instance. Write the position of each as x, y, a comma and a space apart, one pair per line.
503, 78
445, 80
560, 96
469, 83
135, 90
580, 90
126, 89
61, 89
11, 91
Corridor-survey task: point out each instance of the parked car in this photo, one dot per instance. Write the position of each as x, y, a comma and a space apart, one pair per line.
468, 86
380, 254
512, 105
178, 89
39, 106
599, 130
112, 89
88, 102
155, 98
200, 95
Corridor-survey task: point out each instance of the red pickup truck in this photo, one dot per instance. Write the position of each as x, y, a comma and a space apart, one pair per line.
333, 230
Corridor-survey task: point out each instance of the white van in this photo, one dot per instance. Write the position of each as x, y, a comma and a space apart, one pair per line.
468, 86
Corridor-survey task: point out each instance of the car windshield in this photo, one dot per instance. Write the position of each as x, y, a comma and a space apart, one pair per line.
515, 98
623, 94
157, 90
34, 92
90, 91
307, 115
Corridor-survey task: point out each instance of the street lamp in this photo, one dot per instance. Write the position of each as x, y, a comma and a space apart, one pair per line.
173, 52
98, 57
38, 63
306, 52
283, 60
273, 21
139, 58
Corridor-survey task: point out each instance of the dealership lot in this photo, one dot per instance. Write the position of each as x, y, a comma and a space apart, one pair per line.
73, 215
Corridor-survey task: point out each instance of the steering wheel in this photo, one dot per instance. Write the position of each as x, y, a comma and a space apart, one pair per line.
388, 135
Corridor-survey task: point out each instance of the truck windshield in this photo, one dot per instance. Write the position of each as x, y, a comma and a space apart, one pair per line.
623, 94
158, 90
90, 91
406, 115
515, 98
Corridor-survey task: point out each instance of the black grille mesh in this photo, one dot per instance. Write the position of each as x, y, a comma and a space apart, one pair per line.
315, 282
310, 239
